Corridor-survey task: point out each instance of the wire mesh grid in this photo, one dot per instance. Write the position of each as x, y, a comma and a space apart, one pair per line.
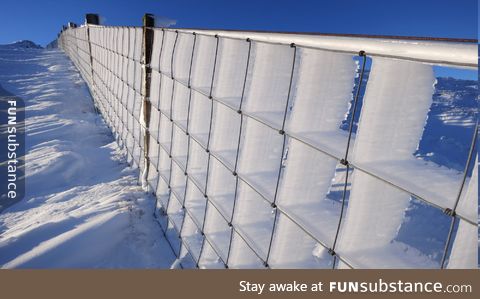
224, 151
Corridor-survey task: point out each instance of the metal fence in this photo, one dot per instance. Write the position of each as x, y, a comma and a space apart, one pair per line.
264, 150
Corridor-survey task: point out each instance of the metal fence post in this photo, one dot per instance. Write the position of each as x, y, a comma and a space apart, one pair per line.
92, 18
148, 23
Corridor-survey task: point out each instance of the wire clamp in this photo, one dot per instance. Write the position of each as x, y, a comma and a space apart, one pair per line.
449, 212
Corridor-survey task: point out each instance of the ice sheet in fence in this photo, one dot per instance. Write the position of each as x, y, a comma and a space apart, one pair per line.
180, 104
320, 102
231, 70
321, 99
166, 51
292, 248
210, 259
225, 134
253, 219
397, 100
134, 43
158, 36
217, 231
192, 237
200, 117
464, 254
178, 182
392, 230
260, 156
195, 203
138, 43
198, 164
180, 147
221, 188
393, 115
203, 63
468, 204
183, 57
242, 256
165, 96
307, 179
268, 82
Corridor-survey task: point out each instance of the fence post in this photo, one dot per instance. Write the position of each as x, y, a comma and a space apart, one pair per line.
148, 23
92, 18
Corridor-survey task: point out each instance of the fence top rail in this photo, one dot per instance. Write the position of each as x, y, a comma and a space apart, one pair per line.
438, 52
397, 37
432, 50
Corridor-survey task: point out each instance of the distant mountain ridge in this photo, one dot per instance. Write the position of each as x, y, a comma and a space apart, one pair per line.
22, 44
52, 45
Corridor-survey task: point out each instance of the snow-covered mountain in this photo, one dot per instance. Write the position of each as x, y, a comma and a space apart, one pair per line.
22, 44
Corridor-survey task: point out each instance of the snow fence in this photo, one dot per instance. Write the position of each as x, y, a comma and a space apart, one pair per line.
273, 150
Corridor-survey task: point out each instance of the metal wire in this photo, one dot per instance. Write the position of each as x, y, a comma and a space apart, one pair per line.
345, 159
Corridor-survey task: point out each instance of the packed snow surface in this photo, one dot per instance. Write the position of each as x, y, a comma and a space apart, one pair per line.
83, 207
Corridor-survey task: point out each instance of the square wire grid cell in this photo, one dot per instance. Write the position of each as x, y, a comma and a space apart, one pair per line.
210, 259
230, 72
311, 191
217, 231
289, 238
162, 193
225, 134
385, 227
192, 237
389, 132
261, 155
180, 147
180, 105
182, 59
254, 219
222, 187
203, 64
175, 211
198, 161
242, 256
167, 51
165, 99
178, 181
268, 82
195, 203
200, 118
323, 88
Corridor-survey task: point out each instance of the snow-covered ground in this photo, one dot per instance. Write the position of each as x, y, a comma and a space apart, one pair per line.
83, 206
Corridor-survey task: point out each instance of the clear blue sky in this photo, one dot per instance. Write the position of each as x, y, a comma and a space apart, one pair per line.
41, 20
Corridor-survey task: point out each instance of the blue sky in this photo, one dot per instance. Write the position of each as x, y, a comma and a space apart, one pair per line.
40, 20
